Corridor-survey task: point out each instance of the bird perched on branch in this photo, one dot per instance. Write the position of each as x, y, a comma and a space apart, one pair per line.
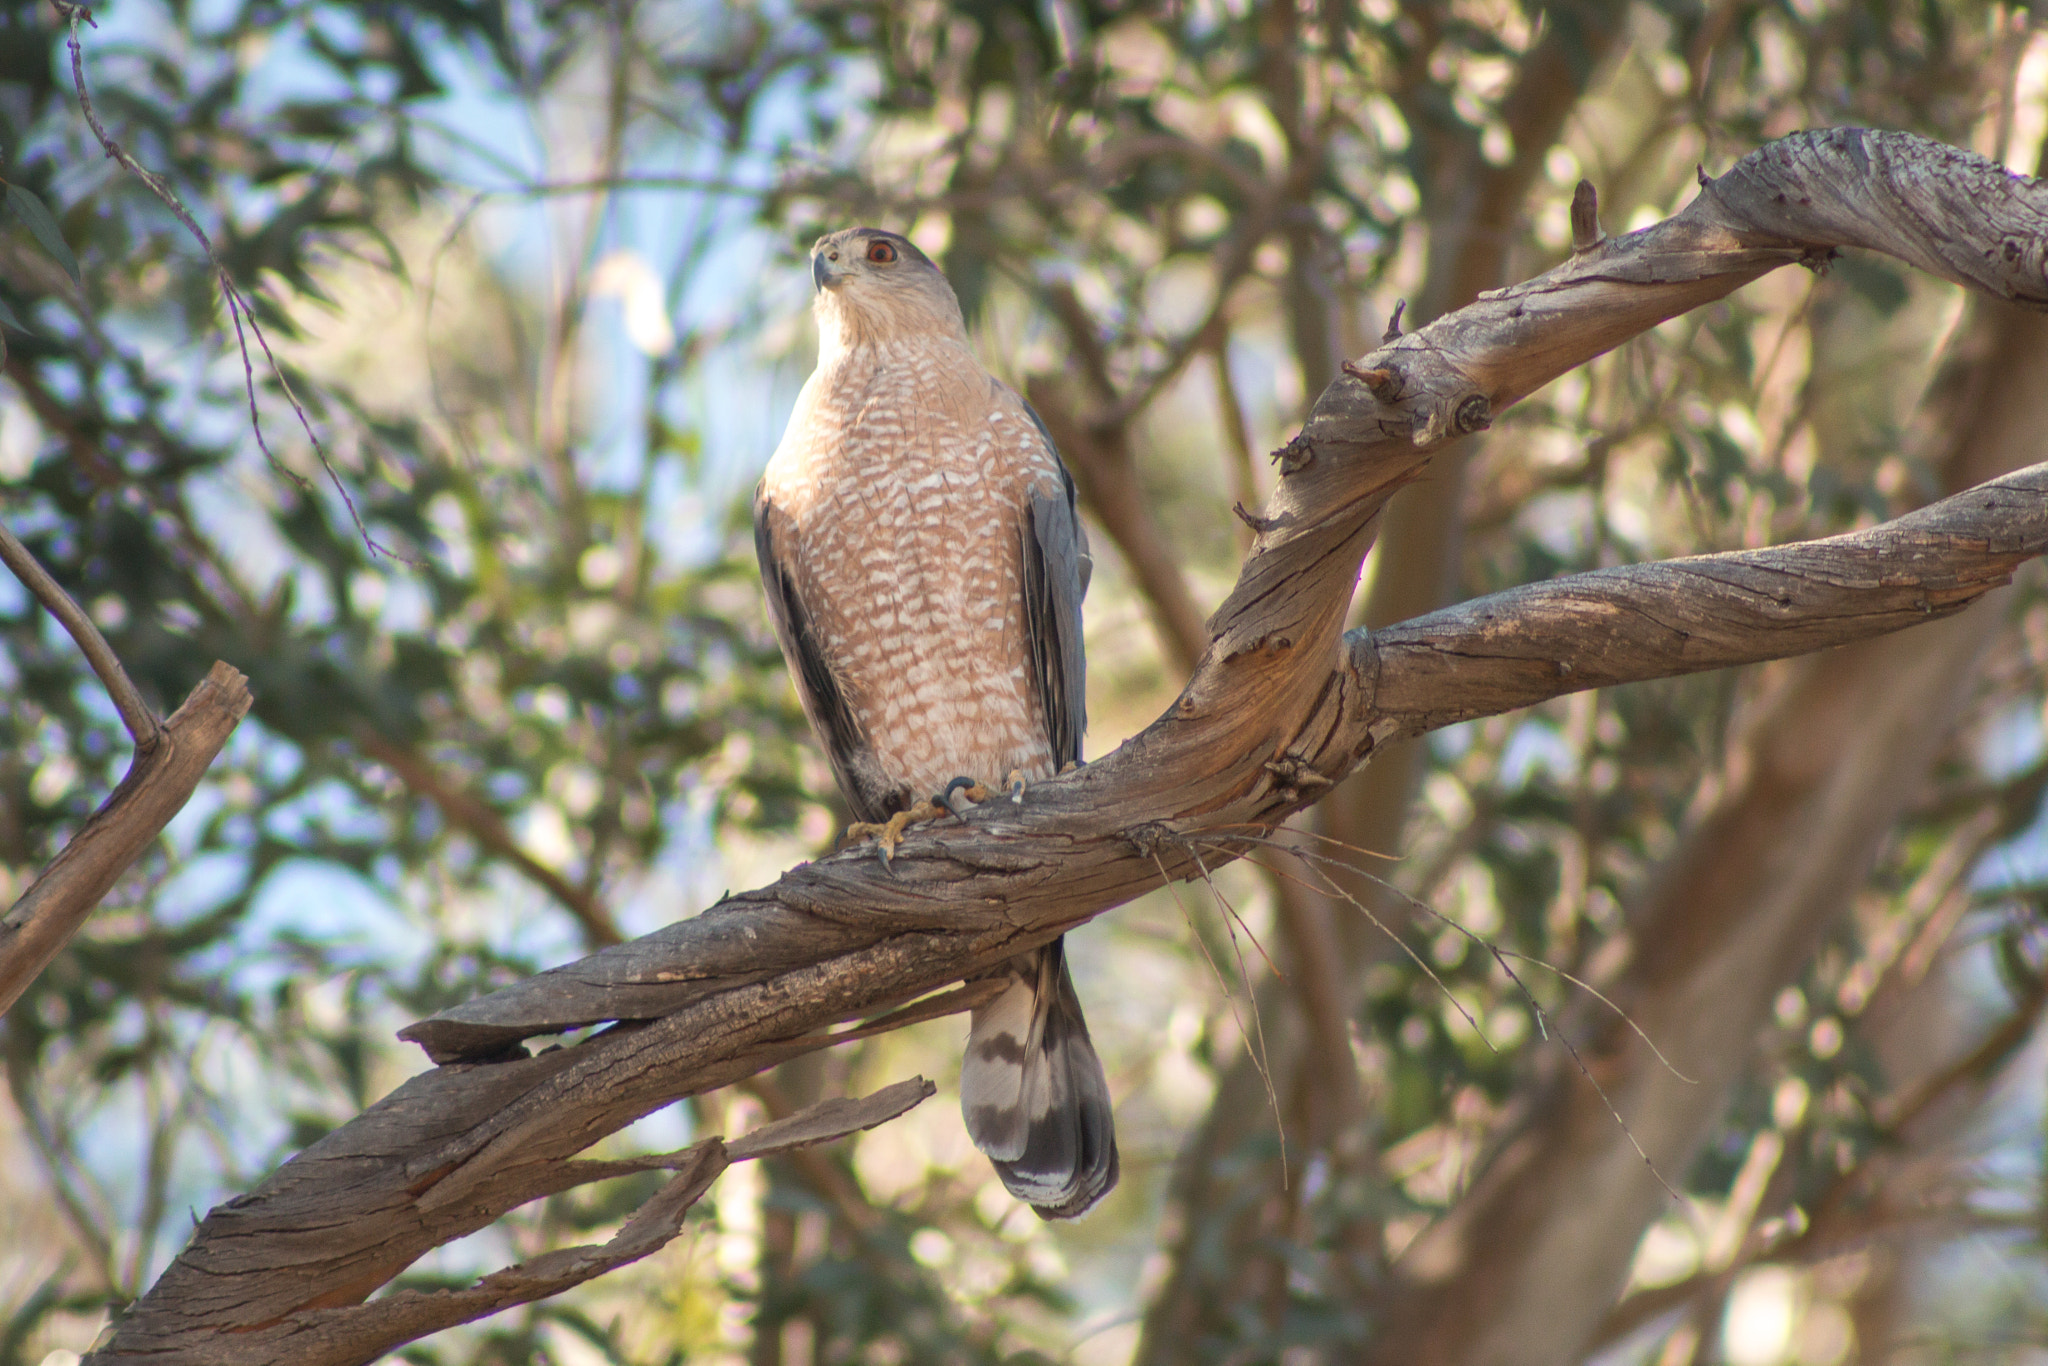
925, 566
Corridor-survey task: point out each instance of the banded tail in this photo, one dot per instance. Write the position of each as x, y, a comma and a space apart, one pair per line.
1033, 1092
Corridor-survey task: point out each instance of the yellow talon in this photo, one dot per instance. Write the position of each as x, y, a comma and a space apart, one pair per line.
888, 834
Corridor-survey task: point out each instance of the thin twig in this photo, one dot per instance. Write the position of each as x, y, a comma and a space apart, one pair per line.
1310, 857
1581, 983
1329, 886
239, 309
1237, 442
1230, 910
143, 725
1256, 1054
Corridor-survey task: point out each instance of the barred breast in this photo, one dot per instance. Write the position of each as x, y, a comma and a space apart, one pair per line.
905, 474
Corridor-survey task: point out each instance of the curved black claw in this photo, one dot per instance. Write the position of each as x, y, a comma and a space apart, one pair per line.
960, 796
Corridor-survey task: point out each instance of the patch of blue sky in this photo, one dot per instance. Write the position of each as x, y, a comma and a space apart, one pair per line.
1979, 993
490, 1248
312, 596
88, 693
687, 875
328, 808
290, 70
209, 403
2012, 743
2018, 862
1261, 372
684, 537
478, 132
741, 410
228, 512
615, 454
2004, 1136
664, 1131
114, 1142
279, 759
116, 1138
520, 923
62, 379
116, 389
1560, 521
395, 601
1536, 746
1967, 1279
354, 920
198, 885
211, 16
251, 1096
1454, 742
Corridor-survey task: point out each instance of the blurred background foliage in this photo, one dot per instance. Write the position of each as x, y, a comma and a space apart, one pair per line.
532, 274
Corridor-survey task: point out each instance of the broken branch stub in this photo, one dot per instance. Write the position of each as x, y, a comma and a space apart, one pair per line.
158, 784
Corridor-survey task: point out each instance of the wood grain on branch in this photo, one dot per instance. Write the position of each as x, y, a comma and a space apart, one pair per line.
344, 1330
1281, 704
158, 784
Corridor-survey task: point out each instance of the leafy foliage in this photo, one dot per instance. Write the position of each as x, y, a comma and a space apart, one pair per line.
530, 272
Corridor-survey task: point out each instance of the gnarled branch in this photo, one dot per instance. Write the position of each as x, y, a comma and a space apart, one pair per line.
1281, 698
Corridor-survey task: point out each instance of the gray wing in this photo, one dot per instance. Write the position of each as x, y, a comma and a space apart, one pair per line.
1056, 572
867, 793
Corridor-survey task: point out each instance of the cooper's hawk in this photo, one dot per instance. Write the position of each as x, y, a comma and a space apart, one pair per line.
925, 566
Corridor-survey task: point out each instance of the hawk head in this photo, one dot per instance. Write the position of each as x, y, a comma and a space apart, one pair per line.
876, 286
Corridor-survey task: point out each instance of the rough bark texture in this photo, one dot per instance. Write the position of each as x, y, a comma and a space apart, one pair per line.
337, 1328
1282, 704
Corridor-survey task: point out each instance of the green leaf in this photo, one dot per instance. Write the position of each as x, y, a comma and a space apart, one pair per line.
44, 227
8, 318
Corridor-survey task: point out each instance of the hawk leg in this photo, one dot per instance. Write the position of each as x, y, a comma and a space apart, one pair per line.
888, 834
959, 795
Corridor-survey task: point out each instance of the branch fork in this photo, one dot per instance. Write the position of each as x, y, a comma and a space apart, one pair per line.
1280, 690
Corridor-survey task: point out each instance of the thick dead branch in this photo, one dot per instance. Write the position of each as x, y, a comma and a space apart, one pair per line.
158, 784
1281, 704
362, 1332
1515, 648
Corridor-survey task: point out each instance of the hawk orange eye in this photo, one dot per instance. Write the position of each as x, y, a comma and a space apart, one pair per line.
881, 253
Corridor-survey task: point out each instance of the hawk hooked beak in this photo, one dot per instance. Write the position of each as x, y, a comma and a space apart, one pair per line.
823, 273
